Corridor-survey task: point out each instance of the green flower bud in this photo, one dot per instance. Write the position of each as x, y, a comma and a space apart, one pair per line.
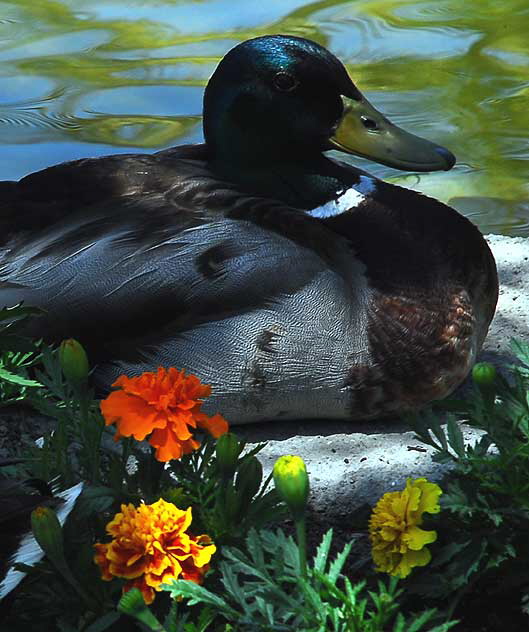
484, 374
73, 359
249, 479
292, 483
228, 450
48, 533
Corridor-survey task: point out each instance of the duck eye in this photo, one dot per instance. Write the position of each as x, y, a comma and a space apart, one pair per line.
368, 123
285, 82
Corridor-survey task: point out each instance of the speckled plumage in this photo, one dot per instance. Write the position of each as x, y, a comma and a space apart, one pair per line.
377, 304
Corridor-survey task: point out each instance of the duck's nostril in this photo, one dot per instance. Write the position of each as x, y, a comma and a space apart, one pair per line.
368, 123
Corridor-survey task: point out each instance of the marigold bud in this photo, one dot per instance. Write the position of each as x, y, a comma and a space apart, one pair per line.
292, 483
47, 530
228, 450
48, 533
484, 374
73, 359
249, 478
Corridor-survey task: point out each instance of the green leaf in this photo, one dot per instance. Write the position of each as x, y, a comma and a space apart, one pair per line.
94, 500
419, 425
17, 379
266, 609
455, 437
133, 605
446, 553
330, 584
424, 426
469, 561
419, 621
253, 545
322, 553
521, 350
438, 432
337, 565
103, 623
234, 589
444, 627
205, 619
196, 594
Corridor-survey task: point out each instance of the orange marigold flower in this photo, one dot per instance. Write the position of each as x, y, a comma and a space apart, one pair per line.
150, 547
164, 405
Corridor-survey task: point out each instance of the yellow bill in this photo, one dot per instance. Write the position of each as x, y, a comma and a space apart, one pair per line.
364, 131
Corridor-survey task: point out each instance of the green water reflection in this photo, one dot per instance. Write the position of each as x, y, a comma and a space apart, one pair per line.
90, 77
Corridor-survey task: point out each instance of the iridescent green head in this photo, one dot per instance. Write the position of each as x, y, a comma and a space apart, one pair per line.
283, 98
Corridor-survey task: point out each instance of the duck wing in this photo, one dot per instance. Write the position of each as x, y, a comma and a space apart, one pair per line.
47, 196
182, 277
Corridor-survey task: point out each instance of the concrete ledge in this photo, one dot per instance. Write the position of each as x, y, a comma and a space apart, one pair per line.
350, 464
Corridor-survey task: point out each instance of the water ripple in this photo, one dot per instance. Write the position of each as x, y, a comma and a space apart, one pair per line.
98, 77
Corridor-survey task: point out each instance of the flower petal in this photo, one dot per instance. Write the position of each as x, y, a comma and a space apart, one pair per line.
168, 401
151, 547
216, 425
430, 493
416, 538
397, 541
411, 559
170, 447
133, 416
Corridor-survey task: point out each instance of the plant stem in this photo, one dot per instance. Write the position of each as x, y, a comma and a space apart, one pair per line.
457, 599
301, 534
126, 450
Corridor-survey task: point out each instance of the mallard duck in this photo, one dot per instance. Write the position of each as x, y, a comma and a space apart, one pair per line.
296, 285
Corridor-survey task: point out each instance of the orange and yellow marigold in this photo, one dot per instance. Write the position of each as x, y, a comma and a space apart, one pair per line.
151, 546
397, 541
164, 405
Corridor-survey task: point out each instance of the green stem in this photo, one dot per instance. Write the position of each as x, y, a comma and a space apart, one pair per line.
301, 534
90, 431
62, 449
457, 599
65, 571
125, 453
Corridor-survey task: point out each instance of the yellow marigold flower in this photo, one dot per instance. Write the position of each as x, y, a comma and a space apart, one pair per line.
164, 405
397, 541
150, 547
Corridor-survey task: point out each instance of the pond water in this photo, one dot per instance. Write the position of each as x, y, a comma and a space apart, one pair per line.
91, 77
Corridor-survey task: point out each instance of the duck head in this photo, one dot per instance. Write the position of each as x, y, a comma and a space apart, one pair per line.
286, 98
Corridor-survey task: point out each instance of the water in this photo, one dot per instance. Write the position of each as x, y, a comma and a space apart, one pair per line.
90, 77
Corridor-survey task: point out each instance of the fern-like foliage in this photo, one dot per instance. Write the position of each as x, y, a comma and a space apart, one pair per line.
261, 588
484, 522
